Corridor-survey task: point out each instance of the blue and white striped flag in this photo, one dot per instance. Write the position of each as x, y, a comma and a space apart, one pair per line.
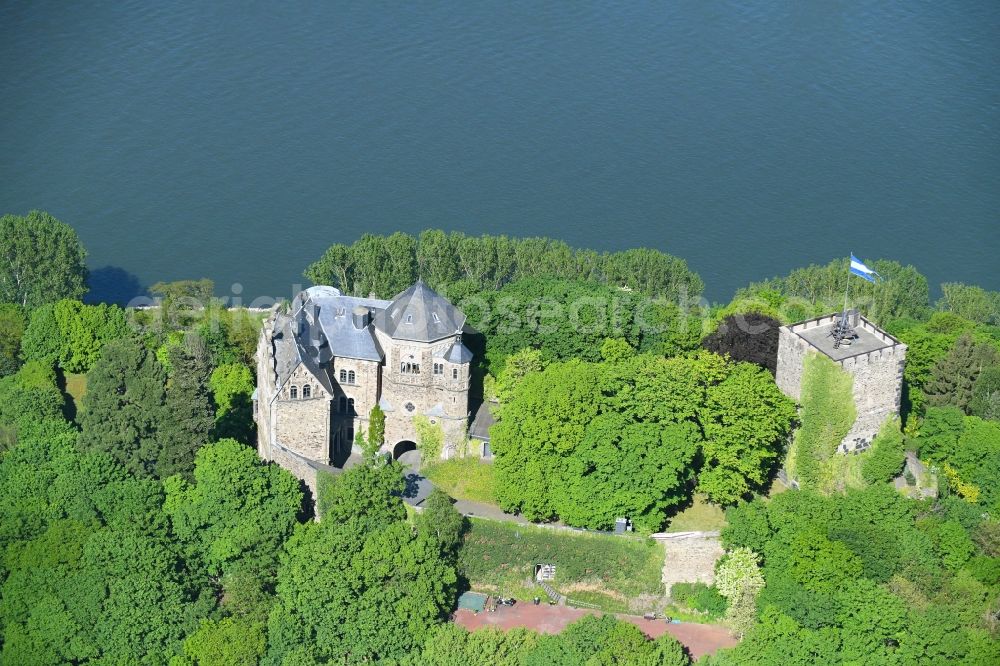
861, 270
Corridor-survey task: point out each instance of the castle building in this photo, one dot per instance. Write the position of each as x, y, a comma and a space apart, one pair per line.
874, 359
324, 364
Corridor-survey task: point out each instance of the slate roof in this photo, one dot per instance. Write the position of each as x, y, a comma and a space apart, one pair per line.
336, 316
289, 352
458, 353
323, 323
420, 314
484, 419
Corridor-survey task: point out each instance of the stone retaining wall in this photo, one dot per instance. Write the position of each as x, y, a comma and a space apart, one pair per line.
690, 557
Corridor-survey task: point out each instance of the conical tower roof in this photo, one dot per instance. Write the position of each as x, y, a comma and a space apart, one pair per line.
420, 314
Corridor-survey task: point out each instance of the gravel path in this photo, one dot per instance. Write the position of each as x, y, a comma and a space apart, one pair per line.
699, 639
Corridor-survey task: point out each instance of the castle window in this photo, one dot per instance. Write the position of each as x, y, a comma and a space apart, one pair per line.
408, 368
350, 377
293, 392
350, 405
343, 405
409, 406
454, 373
306, 391
343, 376
439, 368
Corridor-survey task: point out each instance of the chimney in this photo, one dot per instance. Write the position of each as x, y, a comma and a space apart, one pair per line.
360, 316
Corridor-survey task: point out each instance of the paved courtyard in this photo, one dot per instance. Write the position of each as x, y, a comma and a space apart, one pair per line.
699, 639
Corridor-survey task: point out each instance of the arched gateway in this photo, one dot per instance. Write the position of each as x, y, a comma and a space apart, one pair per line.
402, 448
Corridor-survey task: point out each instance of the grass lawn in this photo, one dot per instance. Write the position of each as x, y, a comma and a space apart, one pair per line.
76, 387
700, 516
589, 567
464, 478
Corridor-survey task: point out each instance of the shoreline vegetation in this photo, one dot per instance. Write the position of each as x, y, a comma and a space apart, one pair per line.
137, 523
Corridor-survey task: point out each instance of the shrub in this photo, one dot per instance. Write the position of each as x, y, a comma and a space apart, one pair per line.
883, 462
700, 597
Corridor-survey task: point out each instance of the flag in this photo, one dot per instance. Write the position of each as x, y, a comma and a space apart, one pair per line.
861, 270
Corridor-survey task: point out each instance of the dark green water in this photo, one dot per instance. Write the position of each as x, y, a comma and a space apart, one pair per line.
237, 140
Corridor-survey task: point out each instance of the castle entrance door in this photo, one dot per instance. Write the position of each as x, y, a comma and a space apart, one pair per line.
406, 453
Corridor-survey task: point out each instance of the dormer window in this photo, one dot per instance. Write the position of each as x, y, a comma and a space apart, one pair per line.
409, 319
341, 312
434, 316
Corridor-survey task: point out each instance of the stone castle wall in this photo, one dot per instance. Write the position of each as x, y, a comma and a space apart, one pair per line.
878, 389
302, 425
423, 391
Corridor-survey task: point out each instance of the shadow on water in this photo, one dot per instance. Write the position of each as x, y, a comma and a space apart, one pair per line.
112, 284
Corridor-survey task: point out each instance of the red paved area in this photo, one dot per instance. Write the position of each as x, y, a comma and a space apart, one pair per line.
698, 638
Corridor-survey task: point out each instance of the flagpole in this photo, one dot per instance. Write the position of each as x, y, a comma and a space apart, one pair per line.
848, 287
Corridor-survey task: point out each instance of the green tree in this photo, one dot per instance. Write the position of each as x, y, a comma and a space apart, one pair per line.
437, 258
238, 510
739, 580
232, 386
746, 420
189, 410
230, 641
335, 268
28, 399
452, 645
354, 596
970, 302
885, 459
12, 325
124, 407
441, 520
85, 329
939, 432
42, 340
376, 432
365, 496
43, 260
954, 376
515, 368
73, 334
985, 401
383, 265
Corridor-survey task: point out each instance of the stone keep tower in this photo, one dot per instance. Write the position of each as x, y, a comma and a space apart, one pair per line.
874, 358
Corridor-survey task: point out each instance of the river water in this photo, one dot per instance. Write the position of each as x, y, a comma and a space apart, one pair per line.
237, 140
